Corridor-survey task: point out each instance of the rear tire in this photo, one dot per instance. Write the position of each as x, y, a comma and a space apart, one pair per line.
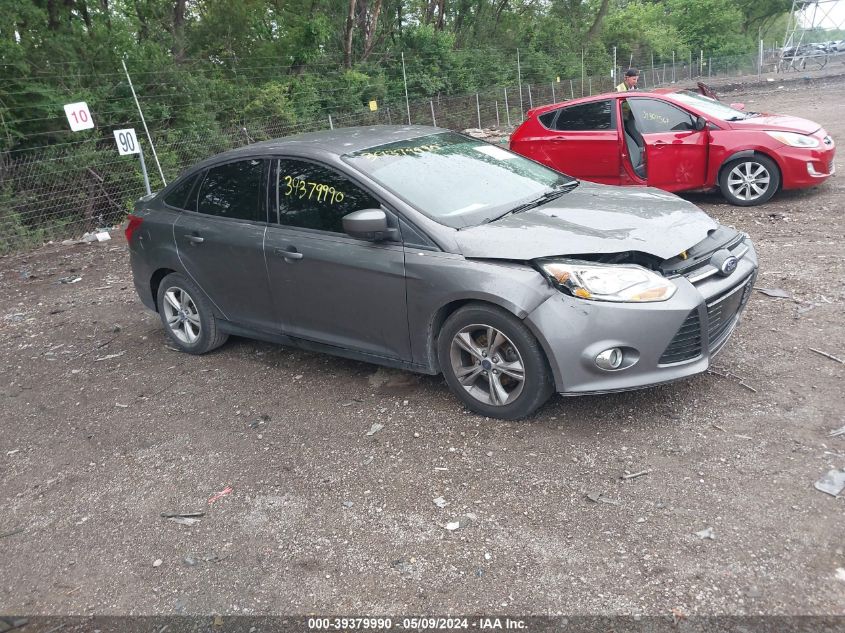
493, 363
750, 181
187, 317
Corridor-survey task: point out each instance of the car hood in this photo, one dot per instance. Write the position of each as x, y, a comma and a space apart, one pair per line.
593, 219
780, 122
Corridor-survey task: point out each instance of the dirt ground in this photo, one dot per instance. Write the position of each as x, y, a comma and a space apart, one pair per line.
104, 427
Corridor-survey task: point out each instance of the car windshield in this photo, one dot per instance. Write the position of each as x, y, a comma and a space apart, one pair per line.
456, 180
709, 106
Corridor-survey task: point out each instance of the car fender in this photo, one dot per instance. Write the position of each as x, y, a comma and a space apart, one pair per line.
747, 153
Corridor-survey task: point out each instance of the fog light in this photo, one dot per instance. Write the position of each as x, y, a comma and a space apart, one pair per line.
609, 359
811, 169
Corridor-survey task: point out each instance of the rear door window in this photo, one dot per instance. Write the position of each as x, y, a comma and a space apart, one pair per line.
598, 115
234, 190
178, 198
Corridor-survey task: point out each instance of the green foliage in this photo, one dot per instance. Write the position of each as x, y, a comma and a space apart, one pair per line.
225, 73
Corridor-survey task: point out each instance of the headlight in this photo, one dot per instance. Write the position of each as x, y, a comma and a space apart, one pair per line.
794, 140
609, 282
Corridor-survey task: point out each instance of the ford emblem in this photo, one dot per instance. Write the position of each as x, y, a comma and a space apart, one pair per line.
728, 266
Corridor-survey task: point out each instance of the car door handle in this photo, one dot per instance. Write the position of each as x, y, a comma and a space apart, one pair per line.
196, 239
658, 144
288, 254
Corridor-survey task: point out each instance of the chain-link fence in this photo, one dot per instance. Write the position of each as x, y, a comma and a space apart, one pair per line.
61, 190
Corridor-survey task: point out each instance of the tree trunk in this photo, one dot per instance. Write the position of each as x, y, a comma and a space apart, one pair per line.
372, 28
179, 31
104, 6
594, 28
347, 39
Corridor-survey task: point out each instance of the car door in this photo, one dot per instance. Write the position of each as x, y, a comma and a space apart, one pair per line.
326, 286
220, 241
676, 153
582, 141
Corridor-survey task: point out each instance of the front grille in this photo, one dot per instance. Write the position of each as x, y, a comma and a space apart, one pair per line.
723, 310
686, 344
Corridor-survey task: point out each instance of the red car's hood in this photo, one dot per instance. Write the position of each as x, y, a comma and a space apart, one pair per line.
781, 122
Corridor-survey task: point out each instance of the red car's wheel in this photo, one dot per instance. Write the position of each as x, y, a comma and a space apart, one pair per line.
749, 181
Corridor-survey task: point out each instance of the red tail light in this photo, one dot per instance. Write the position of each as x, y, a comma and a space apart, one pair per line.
134, 225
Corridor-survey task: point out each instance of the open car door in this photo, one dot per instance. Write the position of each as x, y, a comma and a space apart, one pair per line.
676, 144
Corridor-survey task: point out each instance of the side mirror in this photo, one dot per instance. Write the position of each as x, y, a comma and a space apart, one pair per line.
700, 123
369, 224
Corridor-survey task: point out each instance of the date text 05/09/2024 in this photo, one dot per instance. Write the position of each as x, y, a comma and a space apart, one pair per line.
425, 623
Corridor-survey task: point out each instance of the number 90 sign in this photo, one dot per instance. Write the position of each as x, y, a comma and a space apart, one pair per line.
127, 142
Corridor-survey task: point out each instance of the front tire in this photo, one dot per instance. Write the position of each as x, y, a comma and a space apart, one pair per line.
187, 317
493, 363
750, 181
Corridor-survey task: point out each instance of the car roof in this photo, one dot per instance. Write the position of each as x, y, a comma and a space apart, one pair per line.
659, 92
338, 141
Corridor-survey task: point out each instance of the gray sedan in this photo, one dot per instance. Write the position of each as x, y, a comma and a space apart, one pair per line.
419, 248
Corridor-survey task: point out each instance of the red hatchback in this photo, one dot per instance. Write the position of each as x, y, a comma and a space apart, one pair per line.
677, 141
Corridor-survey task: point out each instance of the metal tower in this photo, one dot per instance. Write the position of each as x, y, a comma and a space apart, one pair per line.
808, 19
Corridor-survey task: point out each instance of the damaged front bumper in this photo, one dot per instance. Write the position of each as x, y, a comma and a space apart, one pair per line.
658, 342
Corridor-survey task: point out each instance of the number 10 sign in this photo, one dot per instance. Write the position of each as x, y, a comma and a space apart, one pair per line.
127, 142
79, 116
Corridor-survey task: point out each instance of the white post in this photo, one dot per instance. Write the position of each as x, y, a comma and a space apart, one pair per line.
405, 79
582, 72
497, 115
673, 66
571, 90
613, 72
760, 65
519, 77
433, 120
554, 100
478, 110
146, 129
507, 109
530, 99
331, 125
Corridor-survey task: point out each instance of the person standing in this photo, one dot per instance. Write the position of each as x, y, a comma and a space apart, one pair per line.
632, 75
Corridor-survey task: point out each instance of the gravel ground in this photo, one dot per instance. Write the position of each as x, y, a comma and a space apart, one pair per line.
105, 427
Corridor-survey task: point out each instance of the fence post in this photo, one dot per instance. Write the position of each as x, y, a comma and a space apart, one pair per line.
709, 66
478, 110
331, 125
690, 64
760, 64
571, 90
519, 78
653, 78
507, 109
405, 79
673, 66
389, 119
433, 120
582, 72
701, 63
530, 100
497, 115
553, 93
146, 129
590, 80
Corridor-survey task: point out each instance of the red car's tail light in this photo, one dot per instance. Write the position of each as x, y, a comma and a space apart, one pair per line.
134, 225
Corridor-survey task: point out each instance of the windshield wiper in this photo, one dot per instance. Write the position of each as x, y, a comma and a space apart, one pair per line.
536, 202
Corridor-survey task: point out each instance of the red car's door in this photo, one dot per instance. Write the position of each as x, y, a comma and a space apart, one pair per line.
581, 141
676, 153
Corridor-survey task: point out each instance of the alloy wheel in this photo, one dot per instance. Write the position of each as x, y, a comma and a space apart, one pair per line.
182, 315
487, 364
749, 180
